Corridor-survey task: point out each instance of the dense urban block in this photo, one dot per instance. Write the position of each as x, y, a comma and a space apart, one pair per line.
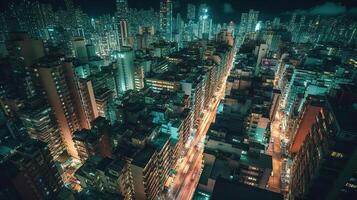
175, 99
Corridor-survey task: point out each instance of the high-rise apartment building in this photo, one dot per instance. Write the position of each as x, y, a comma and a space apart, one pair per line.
139, 76
252, 20
86, 92
326, 159
122, 19
248, 22
151, 166
40, 124
243, 23
124, 32
79, 47
166, 22
105, 175
204, 22
30, 174
125, 72
122, 9
61, 87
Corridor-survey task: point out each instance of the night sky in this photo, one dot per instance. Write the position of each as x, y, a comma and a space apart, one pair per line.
223, 10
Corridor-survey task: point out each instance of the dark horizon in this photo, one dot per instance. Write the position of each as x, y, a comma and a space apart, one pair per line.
229, 10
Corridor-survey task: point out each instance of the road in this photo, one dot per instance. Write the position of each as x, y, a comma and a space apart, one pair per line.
186, 181
274, 150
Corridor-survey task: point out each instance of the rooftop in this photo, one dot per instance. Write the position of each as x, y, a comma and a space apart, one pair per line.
142, 158
225, 189
160, 140
259, 160
344, 106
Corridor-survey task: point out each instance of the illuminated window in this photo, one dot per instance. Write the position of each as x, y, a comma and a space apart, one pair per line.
350, 185
337, 155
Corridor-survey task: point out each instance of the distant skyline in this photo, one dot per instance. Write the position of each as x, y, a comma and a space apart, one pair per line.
222, 10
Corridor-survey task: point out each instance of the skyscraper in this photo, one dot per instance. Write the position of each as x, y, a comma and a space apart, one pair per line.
248, 22
86, 92
122, 15
125, 72
204, 22
124, 34
243, 24
60, 85
166, 19
122, 8
252, 20
79, 47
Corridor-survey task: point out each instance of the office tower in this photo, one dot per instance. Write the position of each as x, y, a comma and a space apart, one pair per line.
40, 123
60, 85
124, 64
30, 173
191, 12
166, 19
325, 159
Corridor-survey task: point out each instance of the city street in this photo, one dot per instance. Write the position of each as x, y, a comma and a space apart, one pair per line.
189, 169
274, 150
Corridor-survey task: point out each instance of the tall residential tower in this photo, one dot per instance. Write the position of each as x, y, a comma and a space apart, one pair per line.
166, 19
